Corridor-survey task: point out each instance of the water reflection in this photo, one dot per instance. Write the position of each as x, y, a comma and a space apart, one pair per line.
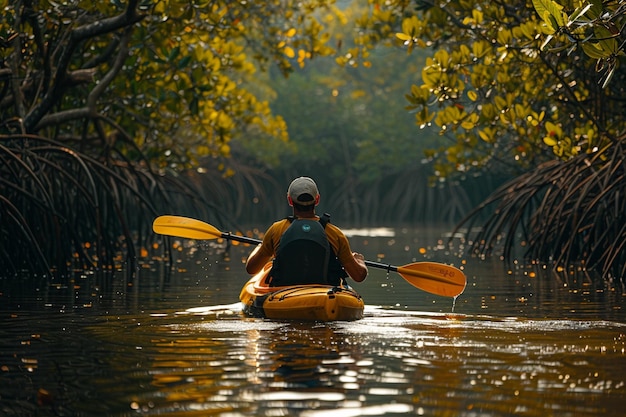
516, 344
213, 361
257, 366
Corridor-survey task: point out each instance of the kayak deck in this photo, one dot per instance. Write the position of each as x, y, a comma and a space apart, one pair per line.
306, 302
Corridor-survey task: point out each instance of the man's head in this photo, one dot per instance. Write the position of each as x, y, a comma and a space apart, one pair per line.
303, 192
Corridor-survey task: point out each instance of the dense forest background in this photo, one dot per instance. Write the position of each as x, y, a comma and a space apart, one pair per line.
474, 113
350, 130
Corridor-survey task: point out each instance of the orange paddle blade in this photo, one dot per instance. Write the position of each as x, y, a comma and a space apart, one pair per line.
435, 278
185, 227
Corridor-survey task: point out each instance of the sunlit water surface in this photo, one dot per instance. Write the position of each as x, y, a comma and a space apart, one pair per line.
520, 341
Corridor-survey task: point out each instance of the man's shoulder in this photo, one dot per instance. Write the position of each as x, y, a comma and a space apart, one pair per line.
278, 226
333, 230
281, 222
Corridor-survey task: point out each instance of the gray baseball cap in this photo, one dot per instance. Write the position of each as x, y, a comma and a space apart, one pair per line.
303, 191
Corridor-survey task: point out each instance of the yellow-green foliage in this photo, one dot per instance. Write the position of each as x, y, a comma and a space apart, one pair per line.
518, 83
172, 83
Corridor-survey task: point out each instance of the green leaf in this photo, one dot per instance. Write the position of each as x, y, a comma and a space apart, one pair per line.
184, 62
174, 53
548, 9
594, 51
578, 13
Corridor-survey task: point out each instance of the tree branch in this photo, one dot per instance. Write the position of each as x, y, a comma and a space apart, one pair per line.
112, 73
128, 18
89, 111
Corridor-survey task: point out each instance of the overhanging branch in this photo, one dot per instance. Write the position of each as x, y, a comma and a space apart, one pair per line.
128, 18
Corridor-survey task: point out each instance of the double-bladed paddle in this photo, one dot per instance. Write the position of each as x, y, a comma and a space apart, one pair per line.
432, 277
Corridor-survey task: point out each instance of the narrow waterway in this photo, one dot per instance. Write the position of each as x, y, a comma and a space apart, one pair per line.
521, 341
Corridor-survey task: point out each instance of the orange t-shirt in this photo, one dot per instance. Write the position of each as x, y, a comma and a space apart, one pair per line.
338, 241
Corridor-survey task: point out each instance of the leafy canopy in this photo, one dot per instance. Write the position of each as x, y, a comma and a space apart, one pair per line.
164, 79
510, 84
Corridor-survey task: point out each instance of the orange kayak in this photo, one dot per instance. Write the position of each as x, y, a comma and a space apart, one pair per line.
307, 302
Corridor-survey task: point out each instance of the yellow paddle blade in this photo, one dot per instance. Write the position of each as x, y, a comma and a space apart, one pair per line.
435, 278
185, 227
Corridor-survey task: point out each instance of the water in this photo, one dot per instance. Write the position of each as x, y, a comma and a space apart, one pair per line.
517, 343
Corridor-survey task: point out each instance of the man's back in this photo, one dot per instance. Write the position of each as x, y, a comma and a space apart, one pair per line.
303, 254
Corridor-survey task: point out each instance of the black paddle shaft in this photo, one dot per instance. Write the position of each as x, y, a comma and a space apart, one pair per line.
243, 239
379, 265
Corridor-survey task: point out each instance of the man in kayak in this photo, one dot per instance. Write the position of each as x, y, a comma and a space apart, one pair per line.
305, 248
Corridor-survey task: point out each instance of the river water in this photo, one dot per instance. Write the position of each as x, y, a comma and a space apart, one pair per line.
521, 340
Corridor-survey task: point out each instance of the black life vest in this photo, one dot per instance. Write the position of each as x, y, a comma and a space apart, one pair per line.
304, 255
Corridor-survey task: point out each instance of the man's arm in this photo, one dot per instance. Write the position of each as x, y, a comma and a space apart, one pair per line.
356, 268
352, 262
257, 260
